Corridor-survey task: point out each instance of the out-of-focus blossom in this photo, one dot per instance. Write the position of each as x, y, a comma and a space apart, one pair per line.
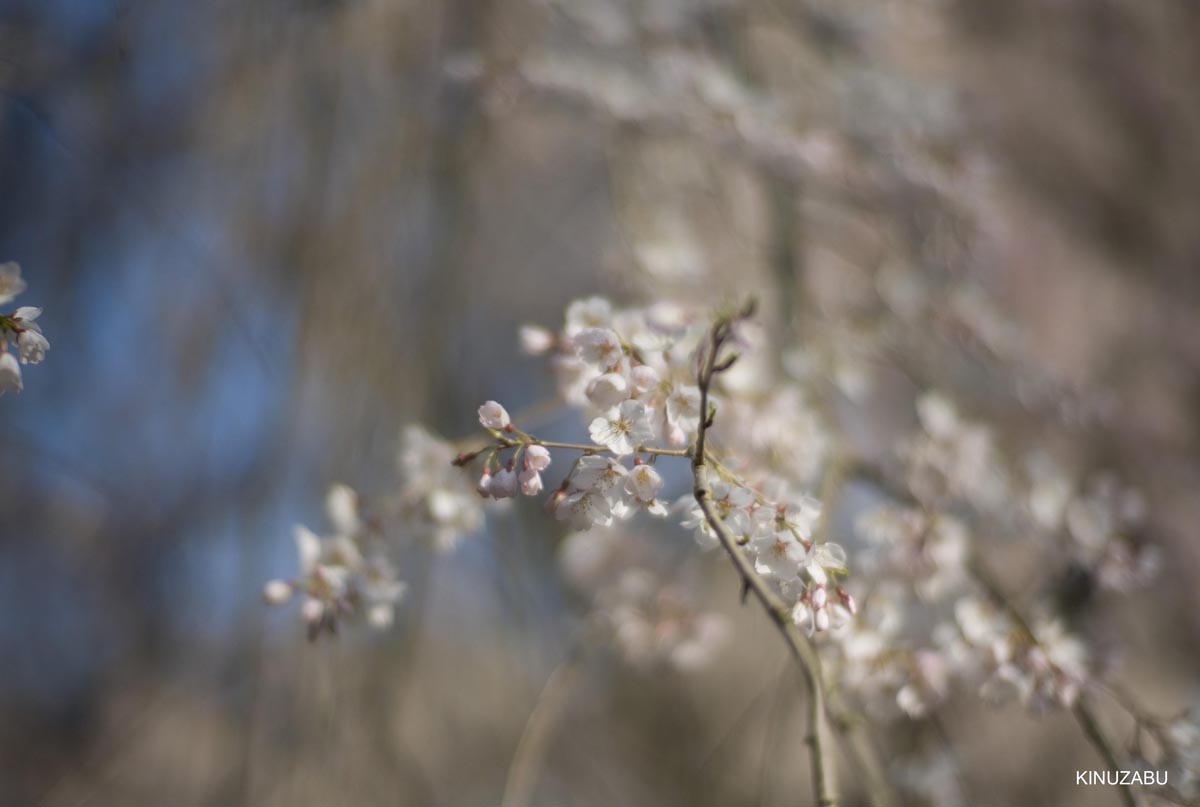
535, 340
337, 578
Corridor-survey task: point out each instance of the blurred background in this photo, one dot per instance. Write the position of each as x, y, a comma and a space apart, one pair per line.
268, 234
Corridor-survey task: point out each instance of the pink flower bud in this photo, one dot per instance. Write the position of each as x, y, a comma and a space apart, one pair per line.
493, 416
531, 482
505, 483
537, 458
848, 600
485, 483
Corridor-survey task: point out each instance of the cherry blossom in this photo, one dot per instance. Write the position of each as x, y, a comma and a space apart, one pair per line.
599, 346
642, 485
338, 578
11, 283
493, 416
778, 554
10, 373
537, 458
19, 329
623, 428
531, 482
535, 340
929, 624
505, 483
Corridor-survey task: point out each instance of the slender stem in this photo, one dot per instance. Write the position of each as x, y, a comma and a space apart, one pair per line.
503, 442
818, 740
659, 452
530, 756
866, 757
1091, 727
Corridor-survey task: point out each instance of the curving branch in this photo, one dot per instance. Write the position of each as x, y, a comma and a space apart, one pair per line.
819, 741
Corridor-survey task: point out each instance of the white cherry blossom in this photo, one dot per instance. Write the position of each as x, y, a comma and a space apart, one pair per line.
683, 407
584, 509
642, 485
19, 328
599, 346
277, 592
596, 472
823, 562
731, 503
592, 312
31, 343
535, 340
11, 283
608, 390
644, 379
778, 554
10, 373
623, 428
341, 505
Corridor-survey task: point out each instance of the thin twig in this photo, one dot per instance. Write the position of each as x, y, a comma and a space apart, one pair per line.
503, 442
658, 452
1091, 727
862, 750
818, 740
1084, 715
530, 756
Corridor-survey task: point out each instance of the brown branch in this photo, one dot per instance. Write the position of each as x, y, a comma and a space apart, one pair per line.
818, 740
860, 747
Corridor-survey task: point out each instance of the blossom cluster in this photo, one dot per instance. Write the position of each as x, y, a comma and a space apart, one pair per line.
952, 457
507, 481
931, 623
634, 373
886, 658
348, 574
18, 330
934, 621
435, 503
635, 605
342, 574
1101, 521
1040, 665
